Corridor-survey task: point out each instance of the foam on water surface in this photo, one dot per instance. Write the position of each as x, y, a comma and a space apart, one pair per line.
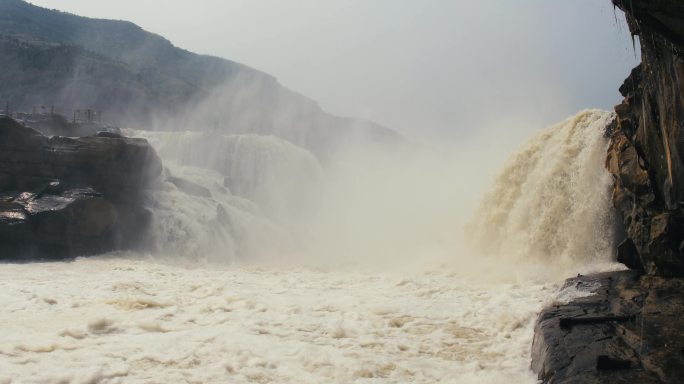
396, 295
122, 320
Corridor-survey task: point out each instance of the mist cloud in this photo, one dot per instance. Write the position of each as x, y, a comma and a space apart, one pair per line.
430, 69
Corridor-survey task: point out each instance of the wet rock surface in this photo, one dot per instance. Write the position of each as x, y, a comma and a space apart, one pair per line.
65, 197
647, 144
631, 330
628, 331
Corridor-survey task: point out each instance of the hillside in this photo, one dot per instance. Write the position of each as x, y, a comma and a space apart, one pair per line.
136, 78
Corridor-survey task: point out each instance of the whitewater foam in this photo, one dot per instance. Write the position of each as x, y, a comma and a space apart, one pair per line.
182, 314
122, 320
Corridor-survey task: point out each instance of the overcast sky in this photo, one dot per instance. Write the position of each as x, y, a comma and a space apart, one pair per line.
431, 69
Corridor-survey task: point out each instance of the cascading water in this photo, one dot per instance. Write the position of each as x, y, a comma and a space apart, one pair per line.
272, 172
220, 227
551, 203
123, 318
258, 190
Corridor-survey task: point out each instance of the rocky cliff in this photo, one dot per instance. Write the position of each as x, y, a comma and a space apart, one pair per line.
628, 327
64, 197
646, 154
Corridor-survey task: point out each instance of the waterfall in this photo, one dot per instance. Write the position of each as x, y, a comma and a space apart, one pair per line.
251, 193
551, 203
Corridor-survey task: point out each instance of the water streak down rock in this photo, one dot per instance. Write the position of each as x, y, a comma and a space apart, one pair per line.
646, 154
65, 197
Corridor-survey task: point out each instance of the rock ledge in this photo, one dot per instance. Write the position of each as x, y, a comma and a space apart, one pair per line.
628, 331
66, 197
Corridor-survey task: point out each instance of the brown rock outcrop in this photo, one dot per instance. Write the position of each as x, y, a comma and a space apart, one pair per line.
65, 197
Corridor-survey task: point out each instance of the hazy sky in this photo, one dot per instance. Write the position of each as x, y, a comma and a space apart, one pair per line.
431, 69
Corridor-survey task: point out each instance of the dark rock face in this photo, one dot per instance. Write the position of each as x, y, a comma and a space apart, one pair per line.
63, 197
627, 332
646, 153
632, 329
116, 166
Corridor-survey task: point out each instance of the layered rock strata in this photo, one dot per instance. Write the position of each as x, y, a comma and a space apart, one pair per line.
646, 154
631, 328
65, 197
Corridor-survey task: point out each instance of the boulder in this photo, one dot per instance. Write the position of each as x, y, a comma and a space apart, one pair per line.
65, 197
112, 164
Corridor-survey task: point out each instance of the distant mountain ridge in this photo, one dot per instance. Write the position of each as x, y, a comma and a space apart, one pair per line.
140, 79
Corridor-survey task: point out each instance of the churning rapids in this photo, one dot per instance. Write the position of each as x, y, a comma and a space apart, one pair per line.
270, 267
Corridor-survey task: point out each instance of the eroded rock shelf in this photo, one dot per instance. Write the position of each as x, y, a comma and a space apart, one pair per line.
627, 331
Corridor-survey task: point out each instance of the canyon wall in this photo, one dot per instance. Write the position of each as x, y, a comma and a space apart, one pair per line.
646, 154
